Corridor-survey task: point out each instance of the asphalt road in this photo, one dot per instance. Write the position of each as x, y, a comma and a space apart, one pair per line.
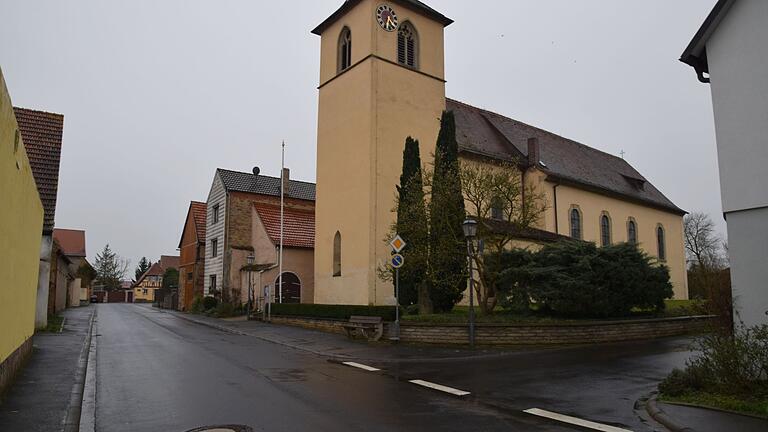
157, 372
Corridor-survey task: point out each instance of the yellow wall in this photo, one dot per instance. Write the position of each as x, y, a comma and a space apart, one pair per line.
21, 226
365, 114
146, 284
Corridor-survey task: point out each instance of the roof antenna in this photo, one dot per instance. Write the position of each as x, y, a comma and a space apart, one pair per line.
256, 171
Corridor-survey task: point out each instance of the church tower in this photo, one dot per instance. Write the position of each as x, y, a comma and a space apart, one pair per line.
381, 80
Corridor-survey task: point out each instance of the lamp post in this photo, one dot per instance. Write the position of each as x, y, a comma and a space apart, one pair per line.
470, 233
249, 259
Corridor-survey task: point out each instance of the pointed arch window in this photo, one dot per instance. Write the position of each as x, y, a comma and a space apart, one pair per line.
345, 49
407, 45
575, 223
337, 254
631, 231
661, 244
605, 230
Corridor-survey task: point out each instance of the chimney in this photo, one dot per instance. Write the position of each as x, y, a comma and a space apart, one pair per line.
534, 154
286, 180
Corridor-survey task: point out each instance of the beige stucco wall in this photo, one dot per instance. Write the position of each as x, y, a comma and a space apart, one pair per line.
365, 114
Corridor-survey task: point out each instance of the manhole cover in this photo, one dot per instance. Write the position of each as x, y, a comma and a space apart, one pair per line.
223, 428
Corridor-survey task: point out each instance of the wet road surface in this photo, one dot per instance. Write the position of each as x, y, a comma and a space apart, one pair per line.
157, 372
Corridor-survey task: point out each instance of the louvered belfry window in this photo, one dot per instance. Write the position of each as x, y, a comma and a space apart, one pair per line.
406, 45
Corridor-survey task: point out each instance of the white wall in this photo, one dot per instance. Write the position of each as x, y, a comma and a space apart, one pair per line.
737, 54
214, 265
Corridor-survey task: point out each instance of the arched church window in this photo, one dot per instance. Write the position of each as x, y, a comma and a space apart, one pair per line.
345, 49
605, 230
407, 45
662, 247
631, 231
337, 254
576, 223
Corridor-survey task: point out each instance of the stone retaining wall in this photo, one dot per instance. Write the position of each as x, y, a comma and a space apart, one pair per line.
524, 333
10, 367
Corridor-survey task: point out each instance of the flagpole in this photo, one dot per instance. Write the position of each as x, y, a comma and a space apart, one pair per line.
282, 218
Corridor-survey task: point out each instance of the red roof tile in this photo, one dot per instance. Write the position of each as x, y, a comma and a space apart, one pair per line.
199, 212
299, 226
72, 242
41, 133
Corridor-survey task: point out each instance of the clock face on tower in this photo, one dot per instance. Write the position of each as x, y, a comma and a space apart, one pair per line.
386, 17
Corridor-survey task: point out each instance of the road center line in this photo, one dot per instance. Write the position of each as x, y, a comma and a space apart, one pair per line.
361, 366
439, 387
574, 421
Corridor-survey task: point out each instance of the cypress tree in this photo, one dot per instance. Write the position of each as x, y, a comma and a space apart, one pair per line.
412, 227
447, 248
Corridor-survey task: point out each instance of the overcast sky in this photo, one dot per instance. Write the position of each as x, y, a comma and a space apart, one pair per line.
157, 94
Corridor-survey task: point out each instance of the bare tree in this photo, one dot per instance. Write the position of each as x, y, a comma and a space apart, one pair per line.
703, 246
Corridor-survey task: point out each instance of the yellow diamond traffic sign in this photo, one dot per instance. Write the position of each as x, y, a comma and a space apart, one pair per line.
397, 243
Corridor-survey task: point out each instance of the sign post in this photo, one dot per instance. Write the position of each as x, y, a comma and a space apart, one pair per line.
398, 260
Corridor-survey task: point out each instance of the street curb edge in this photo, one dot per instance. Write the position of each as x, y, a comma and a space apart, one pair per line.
660, 416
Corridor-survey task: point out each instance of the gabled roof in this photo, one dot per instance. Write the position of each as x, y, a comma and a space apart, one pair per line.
264, 185
199, 212
411, 4
72, 242
159, 268
41, 133
695, 53
488, 134
298, 225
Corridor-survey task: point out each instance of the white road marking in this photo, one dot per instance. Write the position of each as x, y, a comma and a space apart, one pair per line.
361, 366
442, 388
574, 420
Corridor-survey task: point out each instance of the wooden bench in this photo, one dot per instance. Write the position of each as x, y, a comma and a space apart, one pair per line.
371, 327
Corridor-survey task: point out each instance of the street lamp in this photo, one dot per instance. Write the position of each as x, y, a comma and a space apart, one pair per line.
249, 259
470, 233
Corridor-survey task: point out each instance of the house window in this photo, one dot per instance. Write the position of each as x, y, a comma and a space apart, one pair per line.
345, 49
662, 248
407, 44
605, 230
215, 247
212, 279
189, 276
631, 231
337, 254
576, 223
497, 209
216, 213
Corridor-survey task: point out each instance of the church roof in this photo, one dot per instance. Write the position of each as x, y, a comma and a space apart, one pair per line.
265, 185
41, 133
488, 134
411, 4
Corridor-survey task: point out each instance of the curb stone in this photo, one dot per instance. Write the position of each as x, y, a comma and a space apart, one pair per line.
660, 416
72, 419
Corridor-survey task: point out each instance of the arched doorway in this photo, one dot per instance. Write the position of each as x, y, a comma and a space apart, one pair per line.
291, 288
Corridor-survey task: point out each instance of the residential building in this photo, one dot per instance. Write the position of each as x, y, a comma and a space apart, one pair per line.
21, 222
730, 52
192, 255
152, 279
240, 223
41, 133
382, 79
72, 245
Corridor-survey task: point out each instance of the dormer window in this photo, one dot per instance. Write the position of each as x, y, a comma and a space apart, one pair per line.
345, 49
407, 45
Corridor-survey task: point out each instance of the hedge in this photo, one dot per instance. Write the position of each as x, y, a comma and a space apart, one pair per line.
342, 312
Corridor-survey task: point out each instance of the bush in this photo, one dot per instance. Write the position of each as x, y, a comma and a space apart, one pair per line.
342, 312
226, 310
574, 278
726, 364
209, 303
197, 305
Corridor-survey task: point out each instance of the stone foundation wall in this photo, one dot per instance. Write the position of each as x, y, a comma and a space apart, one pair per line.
526, 334
11, 366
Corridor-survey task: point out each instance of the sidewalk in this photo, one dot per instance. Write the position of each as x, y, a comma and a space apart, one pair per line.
706, 420
40, 396
338, 347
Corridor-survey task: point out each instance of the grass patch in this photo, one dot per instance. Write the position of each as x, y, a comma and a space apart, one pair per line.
460, 315
746, 404
54, 324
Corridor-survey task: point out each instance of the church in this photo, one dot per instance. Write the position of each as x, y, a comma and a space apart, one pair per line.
382, 79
